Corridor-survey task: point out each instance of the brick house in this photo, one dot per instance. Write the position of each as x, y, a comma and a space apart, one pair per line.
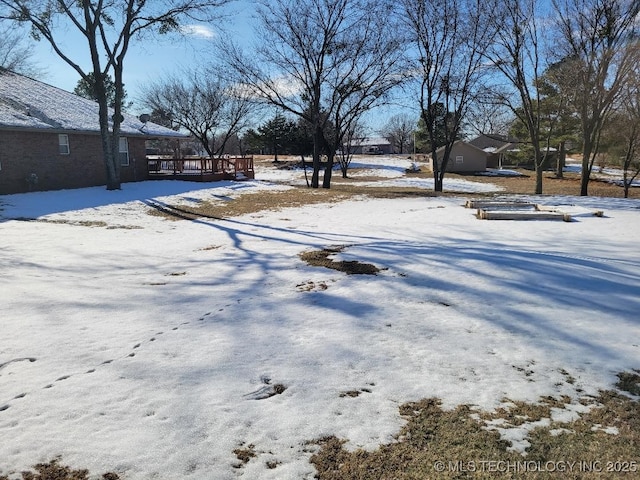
50, 139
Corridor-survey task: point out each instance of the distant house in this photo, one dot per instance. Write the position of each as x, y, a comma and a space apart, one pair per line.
496, 146
464, 158
502, 150
372, 146
50, 139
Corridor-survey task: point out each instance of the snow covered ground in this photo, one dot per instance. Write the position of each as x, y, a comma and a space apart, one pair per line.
608, 174
145, 346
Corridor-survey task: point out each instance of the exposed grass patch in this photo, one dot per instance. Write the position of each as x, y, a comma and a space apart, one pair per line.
629, 382
271, 464
310, 286
354, 393
602, 442
250, 203
514, 414
551, 185
568, 377
320, 258
81, 223
210, 247
54, 471
244, 454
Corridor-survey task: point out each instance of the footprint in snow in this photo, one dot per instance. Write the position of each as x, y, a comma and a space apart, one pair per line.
265, 392
23, 359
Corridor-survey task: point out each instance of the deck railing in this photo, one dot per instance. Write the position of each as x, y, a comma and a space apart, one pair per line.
228, 166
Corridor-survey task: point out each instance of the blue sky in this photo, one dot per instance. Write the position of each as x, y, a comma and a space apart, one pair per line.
156, 56
148, 58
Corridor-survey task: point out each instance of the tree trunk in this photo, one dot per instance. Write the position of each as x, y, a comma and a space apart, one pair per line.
304, 167
317, 142
109, 152
328, 171
561, 160
113, 173
438, 179
109, 144
539, 171
585, 175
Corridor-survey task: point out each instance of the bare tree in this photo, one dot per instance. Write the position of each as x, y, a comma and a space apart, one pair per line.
487, 117
399, 131
449, 36
622, 131
206, 104
597, 45
325, 61
345, 154
517, 54
109, 27
15, 53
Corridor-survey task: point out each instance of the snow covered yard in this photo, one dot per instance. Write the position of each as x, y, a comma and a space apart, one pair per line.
155, 348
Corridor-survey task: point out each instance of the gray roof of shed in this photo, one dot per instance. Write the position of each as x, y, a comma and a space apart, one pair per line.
462, 142
371, 142
28, 104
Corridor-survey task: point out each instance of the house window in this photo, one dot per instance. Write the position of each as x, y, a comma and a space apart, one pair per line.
63, 144
459, 159
123, 151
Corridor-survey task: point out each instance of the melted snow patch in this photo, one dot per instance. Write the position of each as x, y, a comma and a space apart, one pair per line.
611, 430
517, 435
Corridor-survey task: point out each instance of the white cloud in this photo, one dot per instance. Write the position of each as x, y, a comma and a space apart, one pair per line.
199, 31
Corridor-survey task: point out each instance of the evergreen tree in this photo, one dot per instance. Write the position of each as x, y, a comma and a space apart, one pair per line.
86, 88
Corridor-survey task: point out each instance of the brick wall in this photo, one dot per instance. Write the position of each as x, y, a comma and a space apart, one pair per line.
31, 161
137, 169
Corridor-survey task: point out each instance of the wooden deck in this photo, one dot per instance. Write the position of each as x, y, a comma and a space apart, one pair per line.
200, 169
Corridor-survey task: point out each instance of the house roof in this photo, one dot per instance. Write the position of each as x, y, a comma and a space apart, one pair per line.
28, 104
371, 142
493, 143
462, 142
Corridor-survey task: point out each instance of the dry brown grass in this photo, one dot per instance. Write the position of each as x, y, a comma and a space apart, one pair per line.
55, 471
457, 444
551, 185
352, 188
321, 258
251, 203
